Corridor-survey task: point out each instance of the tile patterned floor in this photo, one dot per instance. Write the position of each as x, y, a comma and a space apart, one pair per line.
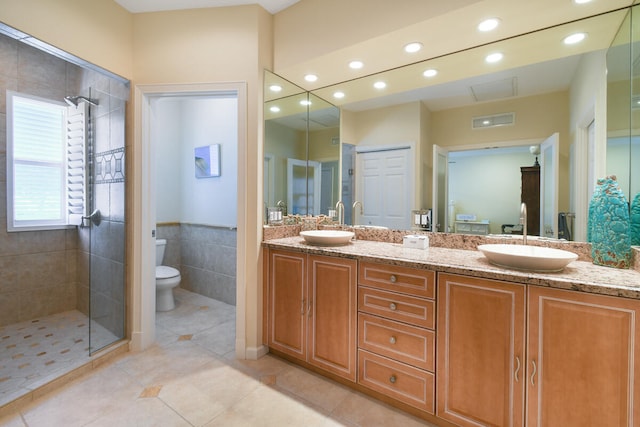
190, 377
34, 352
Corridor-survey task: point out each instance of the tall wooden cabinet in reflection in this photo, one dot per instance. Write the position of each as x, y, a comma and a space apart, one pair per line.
531, 196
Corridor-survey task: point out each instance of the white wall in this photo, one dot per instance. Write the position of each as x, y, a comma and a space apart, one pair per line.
488, 185
183, 124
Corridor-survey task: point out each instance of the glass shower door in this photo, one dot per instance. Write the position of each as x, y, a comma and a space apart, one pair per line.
106, 200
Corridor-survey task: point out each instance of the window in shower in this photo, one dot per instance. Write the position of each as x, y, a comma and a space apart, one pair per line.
45, 176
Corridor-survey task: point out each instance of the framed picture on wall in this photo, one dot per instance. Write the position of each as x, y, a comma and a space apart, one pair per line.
207, 161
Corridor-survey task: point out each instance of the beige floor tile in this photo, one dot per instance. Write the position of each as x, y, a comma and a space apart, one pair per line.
12, 421
266, 365
83, 400
220, 339
320, 391
268, 407
161, 365
365, 411
200, 398
141, 412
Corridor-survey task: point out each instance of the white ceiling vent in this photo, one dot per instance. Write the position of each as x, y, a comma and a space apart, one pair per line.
504, 119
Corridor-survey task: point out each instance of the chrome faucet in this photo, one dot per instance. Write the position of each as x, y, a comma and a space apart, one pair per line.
523, 221
353, 212
283, 205
340, 212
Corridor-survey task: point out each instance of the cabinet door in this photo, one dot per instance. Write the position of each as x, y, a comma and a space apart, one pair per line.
332, 315
287, 302
480, 352
581, 368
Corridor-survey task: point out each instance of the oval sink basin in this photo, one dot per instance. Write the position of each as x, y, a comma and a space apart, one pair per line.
530, 258
327, 237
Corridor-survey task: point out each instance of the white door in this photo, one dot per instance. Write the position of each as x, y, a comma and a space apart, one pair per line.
303, 185
440, 189
549, 160
385, 187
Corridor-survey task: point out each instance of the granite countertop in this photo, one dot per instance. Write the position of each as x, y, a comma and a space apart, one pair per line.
579, 275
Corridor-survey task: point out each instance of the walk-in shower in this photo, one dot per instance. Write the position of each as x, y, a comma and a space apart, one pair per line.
62, 287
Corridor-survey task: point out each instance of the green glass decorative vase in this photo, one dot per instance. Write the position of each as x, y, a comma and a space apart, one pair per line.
609, 225
635, 221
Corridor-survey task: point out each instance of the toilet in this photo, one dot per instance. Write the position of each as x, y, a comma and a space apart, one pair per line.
167, 278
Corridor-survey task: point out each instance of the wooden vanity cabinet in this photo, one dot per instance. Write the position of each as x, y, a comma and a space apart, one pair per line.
583, 364
576, 365
312, 306
481, 351
396, 337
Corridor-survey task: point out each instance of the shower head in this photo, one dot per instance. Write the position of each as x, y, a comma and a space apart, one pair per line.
73, 100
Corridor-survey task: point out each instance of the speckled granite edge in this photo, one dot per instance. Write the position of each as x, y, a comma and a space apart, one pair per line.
579, 275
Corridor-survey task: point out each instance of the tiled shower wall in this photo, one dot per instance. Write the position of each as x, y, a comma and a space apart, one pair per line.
205, 256
37, 268
47, 272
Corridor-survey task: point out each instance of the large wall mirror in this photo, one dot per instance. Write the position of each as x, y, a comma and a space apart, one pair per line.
464, 137
301, 151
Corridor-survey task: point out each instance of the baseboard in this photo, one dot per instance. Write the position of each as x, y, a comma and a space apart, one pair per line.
255, 353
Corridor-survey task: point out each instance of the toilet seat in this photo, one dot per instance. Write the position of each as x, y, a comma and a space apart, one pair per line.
166, 272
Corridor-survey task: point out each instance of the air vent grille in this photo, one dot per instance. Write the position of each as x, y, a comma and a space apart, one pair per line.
483, 122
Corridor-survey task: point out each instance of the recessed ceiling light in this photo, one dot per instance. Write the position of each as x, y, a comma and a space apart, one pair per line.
430, 72
356, 65
488, 24
380, 85
338, 95
311, 77
412, 47
494, 57
305, 102
275, 88
575, 38
581, 1
274, 109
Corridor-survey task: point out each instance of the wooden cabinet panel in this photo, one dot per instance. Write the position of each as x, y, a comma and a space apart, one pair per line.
287, 302
413, 281
404, 308
581, 368
398, 380
332, 315
481, 348
405, 343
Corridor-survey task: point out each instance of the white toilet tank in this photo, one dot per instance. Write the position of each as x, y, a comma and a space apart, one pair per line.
160, 245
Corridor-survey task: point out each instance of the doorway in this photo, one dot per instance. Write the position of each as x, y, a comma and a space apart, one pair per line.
143, 315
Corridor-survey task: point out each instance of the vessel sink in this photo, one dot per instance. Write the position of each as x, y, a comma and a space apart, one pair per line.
327, 237
525, 257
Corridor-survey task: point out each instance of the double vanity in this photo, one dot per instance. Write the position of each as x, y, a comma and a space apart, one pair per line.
449, 337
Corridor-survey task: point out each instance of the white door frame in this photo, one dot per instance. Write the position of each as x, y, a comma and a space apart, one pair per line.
142, 293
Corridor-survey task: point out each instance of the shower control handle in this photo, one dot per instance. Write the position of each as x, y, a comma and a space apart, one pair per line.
95, 217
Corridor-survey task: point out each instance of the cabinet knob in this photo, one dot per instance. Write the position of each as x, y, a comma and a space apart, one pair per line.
393, 306
392, 379
393, 278
392, 340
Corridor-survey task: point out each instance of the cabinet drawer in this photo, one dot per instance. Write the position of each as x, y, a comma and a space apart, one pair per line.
407, 280
408, 344
410, 385
404, 308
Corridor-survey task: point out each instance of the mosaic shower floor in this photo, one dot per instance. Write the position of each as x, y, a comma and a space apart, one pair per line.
34, 352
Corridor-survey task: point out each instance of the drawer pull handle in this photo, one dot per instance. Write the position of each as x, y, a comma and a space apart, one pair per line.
392, 340
393, 278
393, 379
517, 368
393, 306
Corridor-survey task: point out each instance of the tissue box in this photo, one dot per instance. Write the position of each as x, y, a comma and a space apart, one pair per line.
415, 241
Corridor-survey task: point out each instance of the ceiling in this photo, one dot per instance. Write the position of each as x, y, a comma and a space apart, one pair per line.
138, 6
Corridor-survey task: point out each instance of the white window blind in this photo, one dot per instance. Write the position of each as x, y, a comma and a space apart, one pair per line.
45, 157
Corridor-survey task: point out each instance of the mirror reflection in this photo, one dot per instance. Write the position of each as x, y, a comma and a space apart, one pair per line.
301, 152
462, 142
480, 124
